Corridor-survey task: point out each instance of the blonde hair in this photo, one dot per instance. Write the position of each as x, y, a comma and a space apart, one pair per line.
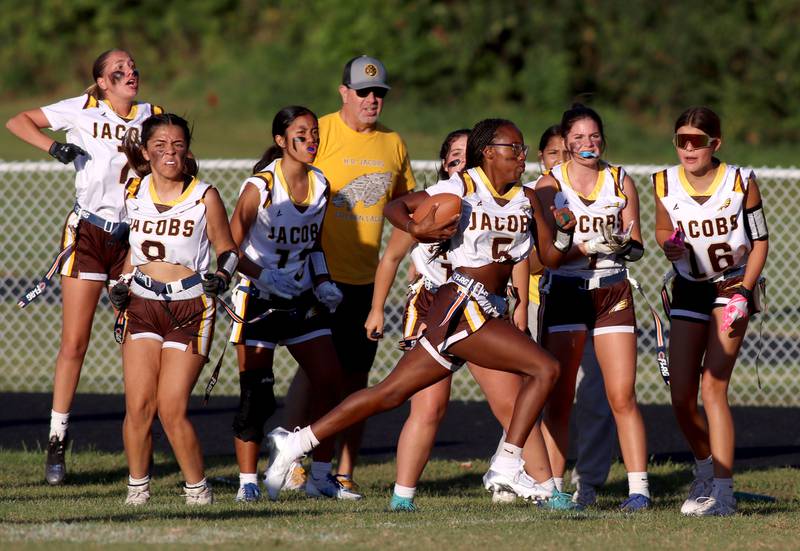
97, 71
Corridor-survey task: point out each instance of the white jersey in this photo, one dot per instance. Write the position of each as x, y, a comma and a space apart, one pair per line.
168, 231
602, 207
488, 232
432, 267
714, 230
285, 232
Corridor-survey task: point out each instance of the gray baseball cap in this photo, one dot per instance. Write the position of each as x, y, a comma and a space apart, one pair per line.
364, 72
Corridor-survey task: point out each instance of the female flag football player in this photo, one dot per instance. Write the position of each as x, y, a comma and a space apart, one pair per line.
589, 294
286, 286
428, 406
168, 297
463, 322
711, 226
94, 241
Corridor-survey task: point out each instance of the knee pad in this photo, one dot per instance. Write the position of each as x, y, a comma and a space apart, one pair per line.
256, 404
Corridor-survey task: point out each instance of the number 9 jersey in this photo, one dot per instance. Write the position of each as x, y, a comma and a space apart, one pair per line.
713, 222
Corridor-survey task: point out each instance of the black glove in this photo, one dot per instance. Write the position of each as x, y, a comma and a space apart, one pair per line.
119, 295
65, 152
214, 284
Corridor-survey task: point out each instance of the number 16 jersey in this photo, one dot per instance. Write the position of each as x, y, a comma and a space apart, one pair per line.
714, 228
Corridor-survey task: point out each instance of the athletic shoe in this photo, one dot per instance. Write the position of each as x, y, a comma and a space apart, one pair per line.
281, 459
198, 496
635, 502
296, 479
138, 495
715, 507
55, 468
402, 504
329, 487
585, 496
503, 496
248, 493
700, 488
347, 481
518, 482
561, 501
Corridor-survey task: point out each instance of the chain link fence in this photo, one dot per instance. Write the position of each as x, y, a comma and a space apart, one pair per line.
38, 196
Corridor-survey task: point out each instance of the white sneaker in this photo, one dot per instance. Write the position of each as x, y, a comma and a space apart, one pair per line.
296, 479
715, 507
329, 487
248, 493
700, 489
585, 495
518, 482
503, 496
138, 495
198, 496
281, 458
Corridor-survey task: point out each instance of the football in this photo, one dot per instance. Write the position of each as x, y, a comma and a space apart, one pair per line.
449, 205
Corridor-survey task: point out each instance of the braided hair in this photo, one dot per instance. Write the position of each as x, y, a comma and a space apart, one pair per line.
482, 135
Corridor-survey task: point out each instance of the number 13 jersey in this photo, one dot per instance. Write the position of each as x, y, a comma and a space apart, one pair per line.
714, 229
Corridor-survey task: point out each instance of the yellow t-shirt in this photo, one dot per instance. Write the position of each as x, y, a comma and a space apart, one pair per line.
365, 171
533, 288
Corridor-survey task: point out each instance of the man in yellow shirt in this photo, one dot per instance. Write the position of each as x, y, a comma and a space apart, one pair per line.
367, 165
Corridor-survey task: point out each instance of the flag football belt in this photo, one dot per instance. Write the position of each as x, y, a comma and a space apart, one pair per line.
170, 288
583, 283
117, 230
494, 305
661, 342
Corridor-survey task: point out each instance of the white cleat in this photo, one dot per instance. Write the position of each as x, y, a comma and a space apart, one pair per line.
198, 496
518, 482
297, 478
138, 495
700, 488
330, 487
503, 496
714, 507
281, 459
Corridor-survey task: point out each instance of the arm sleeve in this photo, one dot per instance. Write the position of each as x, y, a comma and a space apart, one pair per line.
62, 115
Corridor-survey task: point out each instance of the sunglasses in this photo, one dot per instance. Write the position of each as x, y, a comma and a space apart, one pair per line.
379, 93
698, 141
517, 148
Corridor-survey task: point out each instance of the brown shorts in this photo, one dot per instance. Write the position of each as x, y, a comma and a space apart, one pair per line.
293, 321
566, 307
452, 317
176, 324
418, 302
96, 254
694, 300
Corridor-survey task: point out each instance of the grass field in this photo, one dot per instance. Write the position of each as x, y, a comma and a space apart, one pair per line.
454, 512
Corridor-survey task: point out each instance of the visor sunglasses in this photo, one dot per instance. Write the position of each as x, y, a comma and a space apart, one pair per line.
380, 93
698, 141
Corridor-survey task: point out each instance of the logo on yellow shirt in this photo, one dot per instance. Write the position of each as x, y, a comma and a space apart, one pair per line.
367, 188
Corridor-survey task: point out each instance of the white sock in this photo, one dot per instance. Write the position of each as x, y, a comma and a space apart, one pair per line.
559, 483
248, 478
306, 441
196, 485
58, 424
139, 481
404, 491
549, 484
499, 446
722, 488
320, 469
638, 484
704, 468
509, 451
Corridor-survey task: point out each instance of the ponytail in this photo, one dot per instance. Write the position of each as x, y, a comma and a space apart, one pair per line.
132, 147
273, 152
133, 142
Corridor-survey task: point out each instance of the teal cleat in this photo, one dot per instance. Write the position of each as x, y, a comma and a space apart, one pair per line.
402, 504
560, 501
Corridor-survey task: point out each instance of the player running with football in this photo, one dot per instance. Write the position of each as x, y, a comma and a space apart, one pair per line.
285, 282
167, 294
428, 406
589, 294
463, 323
94, 240
711, 226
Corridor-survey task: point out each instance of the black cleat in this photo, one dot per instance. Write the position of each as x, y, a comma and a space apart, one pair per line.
55, 469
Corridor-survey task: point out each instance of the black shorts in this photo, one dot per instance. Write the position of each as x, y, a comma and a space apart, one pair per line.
96, 254
565, 307
292, 321
694, 300
356, 352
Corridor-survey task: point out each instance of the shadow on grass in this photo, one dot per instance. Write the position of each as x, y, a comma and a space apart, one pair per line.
147, 512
